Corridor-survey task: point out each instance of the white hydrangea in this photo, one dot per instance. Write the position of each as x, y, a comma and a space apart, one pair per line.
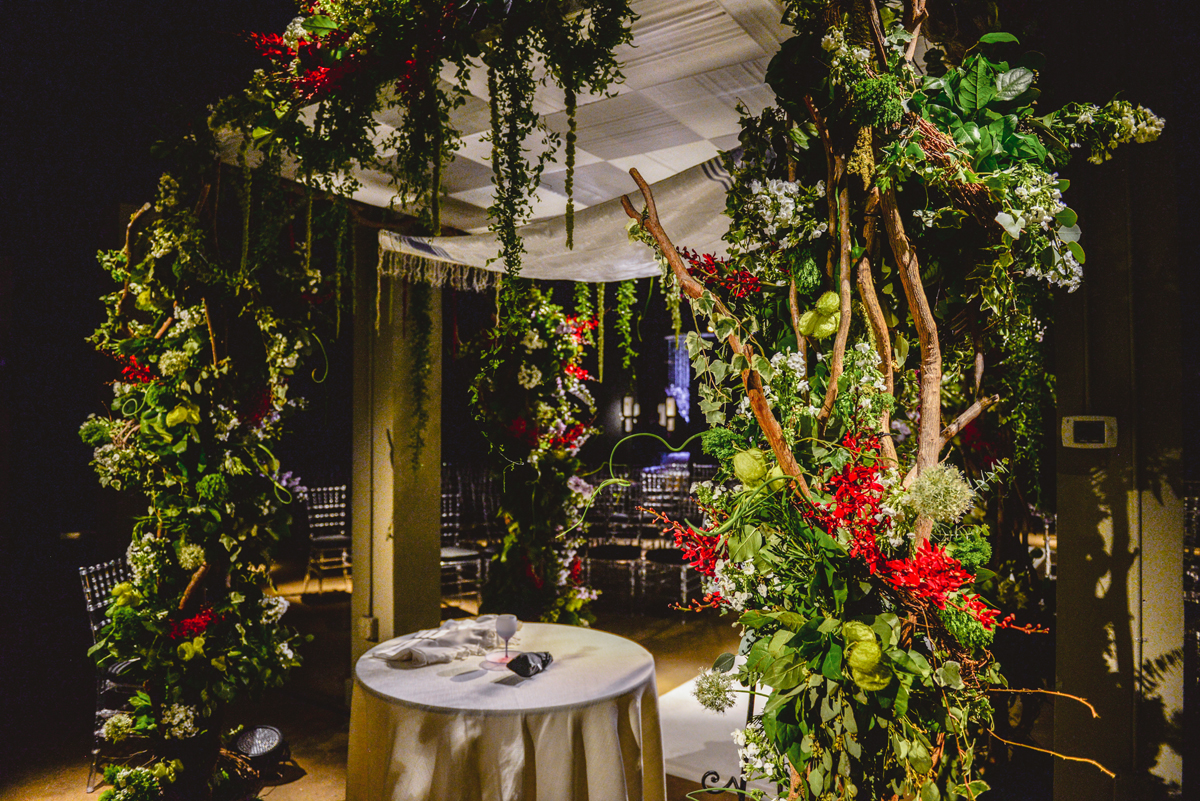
529, 376
179, 722
117, 728
273, 608
173, 362
531, 341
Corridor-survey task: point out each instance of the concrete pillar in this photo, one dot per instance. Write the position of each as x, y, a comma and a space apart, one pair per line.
395, 505
1120, 517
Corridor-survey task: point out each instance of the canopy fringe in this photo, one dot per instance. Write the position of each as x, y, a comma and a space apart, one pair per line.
409, 267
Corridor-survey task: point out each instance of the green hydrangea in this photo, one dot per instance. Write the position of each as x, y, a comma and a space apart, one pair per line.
965, 628
941, 493
721, 443
972, 549
877, 101
96, 431
213, 487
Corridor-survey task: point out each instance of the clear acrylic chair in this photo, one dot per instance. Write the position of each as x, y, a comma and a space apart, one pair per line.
113, 686
462, 567
328, 535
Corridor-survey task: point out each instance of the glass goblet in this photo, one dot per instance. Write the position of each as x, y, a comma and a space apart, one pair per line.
506, 627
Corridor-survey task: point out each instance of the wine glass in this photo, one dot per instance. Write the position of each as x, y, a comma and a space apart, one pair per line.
506, 627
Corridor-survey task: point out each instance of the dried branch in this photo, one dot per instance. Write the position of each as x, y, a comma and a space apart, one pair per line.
951, 431
129, 252
877, 32
963, 420
1083, 701
751, 380
977, 345
165, 326
914, 15
1103, 769
193, 586
834, 166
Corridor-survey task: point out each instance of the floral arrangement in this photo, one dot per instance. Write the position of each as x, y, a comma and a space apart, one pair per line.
839, 529
205, 343
537, 411
221, 290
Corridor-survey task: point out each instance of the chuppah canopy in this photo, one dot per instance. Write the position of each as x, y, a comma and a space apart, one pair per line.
690, 205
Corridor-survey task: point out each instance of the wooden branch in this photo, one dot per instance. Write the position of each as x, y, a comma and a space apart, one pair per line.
928, 439
877, 32
165, 326
751, 380
951, 431
212, 339
129, 252
193, 586
963, 420
1093, 762
833, 168
794, 309
837, 363
977, 344
883, 337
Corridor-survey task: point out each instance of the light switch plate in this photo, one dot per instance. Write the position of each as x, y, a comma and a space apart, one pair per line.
1089, 431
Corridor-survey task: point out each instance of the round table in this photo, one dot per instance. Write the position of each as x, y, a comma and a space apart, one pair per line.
585, 729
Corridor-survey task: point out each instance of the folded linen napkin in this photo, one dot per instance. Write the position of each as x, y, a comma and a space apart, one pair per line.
454, 639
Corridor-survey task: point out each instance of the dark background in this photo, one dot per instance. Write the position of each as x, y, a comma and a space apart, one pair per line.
86, 87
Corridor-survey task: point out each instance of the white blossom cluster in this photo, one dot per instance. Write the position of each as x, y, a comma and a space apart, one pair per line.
273, 608
1065, 272
113, 464
1036, 197
759, 759
846, 61
740, 582
529, 376
191, 556
786, 211
173, 362
531, 341
179, 722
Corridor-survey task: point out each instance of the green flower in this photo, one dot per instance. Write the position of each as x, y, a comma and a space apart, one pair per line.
213, 487
750, 467
941, 493
714, 690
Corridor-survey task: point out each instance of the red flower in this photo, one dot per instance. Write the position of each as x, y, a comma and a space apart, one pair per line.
272, 46
931, 574
575, 371
191, 627
714, 273
532, 575
522, 431
135, 372
576, 571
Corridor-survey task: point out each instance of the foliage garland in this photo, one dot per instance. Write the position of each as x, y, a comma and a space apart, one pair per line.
534, 404
849, 549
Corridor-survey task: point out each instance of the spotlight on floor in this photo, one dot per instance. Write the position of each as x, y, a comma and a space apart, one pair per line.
263, 746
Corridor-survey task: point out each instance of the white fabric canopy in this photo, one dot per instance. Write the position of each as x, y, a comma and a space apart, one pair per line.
689, 204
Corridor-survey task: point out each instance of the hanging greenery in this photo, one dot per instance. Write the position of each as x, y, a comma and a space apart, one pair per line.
626, 297
892, 235
536, 410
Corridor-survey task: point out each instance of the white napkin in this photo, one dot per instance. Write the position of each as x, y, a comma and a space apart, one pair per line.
454, 639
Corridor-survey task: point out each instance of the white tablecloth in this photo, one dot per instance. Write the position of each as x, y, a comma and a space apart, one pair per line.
585, 729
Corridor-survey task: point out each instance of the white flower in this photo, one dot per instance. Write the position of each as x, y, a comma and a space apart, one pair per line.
273, 608
529, 376
179, 722
117, 728
532, 341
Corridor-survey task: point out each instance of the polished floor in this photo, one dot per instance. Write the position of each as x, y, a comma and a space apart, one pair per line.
311, 710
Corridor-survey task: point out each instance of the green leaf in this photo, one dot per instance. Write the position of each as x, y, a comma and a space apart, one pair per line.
319, 24
948, 676
816, 781
1069, 233
1012, 225
1013, 83
1077, 251
831, 668
918, 757
724, 663
977, 88
930, 792
1066, 218
996, 37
